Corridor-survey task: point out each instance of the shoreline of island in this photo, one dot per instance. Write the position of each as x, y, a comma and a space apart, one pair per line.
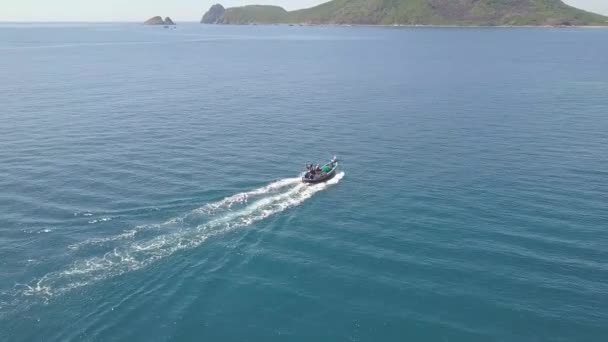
407, 25
197, 23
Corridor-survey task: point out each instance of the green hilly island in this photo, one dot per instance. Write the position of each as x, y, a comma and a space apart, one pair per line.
412, 12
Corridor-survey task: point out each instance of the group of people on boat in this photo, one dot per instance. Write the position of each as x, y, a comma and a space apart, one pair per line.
313, 169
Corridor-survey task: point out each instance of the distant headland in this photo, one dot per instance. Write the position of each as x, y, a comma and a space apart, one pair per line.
413, 12
158, 20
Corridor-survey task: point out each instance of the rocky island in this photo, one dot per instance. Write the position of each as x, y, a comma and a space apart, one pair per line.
158, 20
413, 12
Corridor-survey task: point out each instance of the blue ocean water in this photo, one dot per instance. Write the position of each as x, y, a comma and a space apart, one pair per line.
149, 191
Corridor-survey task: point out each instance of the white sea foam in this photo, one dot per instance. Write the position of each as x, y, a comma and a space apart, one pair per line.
134, 253
38, 231
101, 241
83, 213
99, 220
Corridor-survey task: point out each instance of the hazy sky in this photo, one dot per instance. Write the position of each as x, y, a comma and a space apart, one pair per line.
179, 10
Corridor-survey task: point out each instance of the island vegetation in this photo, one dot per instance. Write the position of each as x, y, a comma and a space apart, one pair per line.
412, 12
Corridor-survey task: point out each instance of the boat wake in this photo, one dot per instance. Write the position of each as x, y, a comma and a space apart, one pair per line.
139, 247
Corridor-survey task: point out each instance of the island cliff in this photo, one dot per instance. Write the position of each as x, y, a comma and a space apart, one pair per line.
215, 15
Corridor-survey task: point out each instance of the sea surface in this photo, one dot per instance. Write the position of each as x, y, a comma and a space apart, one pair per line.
149, 183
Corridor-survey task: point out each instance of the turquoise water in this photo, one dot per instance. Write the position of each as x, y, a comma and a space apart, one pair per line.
149, 191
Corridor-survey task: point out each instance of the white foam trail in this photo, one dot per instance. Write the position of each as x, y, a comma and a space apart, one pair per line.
273, 198
243, 197
208, 209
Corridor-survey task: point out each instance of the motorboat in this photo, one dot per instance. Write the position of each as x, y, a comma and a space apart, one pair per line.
319, 174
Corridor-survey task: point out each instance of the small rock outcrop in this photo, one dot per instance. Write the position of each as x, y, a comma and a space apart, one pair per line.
215, 15
158, 20
155, 21
168, 21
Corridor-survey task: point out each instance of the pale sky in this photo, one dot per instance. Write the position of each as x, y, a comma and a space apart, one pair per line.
179, 10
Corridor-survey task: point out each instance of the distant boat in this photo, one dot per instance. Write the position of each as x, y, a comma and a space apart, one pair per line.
314, 175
